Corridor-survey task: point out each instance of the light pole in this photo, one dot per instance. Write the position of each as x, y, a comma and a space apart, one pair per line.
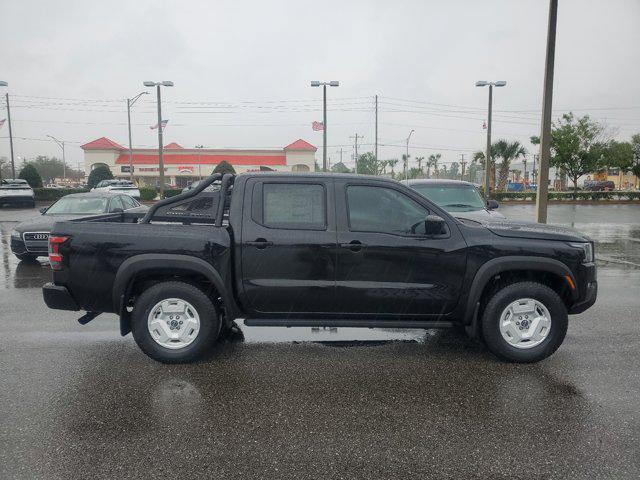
165, 83
64, 163
333, 83
13, 165
406, 161
487, 160
130, 102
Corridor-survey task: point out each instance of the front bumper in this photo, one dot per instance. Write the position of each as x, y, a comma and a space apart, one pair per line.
588, 288
591, 294
17, 200
58, 297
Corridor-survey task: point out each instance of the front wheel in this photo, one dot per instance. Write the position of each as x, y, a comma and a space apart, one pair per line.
524, 322
175, 322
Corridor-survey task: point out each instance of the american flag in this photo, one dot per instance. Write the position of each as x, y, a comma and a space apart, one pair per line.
2, 122
317, 126
162, 124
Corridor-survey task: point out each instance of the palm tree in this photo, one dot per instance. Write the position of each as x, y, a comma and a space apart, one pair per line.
507, 151
392, 163
419, 160
480, 157
433, 162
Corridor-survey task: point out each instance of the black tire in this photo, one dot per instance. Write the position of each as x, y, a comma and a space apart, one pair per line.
26, 257
505, 296
206, 310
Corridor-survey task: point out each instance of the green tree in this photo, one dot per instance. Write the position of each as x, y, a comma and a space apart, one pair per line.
420, 160
5, 168
340, 168
578, 146
224, 167
635, 142
432, 162
454, 170
368, 164
31, 175
479, 157
101, 172
507, 152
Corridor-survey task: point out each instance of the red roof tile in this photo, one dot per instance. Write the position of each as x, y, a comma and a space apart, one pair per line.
203, 159
102, 143
300, 145
173, 146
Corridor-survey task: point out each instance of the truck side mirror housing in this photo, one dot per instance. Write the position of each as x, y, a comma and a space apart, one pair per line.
492, 204
434, 225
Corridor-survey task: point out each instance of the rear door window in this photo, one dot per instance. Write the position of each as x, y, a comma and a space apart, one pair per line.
293, 206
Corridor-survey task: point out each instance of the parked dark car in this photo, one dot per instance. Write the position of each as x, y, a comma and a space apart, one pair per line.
30, 238
599, 185
16, 192
460, 199
319, 250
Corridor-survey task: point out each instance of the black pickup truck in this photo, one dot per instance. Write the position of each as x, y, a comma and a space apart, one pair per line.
280, 249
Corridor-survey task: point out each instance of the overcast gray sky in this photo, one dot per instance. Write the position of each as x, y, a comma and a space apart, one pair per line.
242, 70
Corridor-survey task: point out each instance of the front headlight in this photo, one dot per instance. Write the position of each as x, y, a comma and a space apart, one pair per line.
16, 235
587, 248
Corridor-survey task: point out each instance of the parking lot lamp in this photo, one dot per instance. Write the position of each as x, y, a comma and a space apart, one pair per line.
333, 83
487, 161
130, 102
64, 163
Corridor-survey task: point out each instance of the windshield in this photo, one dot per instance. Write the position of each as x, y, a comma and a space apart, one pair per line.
453, 198
78, 205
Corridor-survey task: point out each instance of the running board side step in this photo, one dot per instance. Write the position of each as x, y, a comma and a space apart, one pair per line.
87, 317
296, 322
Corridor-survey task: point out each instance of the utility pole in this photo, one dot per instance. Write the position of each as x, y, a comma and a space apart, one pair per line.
524, 162
13, 165
165, 83
376, 140
547, 103
487, 160
355, 146
534, 175
463, 163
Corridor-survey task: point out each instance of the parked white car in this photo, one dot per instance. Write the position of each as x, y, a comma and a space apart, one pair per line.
118, 186
16, 191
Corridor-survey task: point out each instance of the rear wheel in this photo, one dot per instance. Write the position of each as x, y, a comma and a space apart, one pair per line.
524, 322
175, 322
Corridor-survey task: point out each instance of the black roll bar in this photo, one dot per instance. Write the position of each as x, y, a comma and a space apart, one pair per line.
192, 193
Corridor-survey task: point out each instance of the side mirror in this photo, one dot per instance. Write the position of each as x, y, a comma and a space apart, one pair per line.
434, 225
117, 210
43, 210
492, 204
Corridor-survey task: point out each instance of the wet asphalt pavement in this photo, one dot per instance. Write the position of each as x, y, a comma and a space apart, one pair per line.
83, 402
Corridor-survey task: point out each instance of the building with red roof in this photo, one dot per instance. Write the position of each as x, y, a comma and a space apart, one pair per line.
185, 165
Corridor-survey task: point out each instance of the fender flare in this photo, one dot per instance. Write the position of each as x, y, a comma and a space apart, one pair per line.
504, 264
164, 263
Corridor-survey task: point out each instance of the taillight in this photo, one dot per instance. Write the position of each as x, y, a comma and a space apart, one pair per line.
55, 257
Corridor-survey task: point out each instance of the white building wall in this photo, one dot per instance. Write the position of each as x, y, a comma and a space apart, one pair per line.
108, 157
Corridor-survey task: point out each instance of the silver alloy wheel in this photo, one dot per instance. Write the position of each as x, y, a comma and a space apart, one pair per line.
525, 323
173, 323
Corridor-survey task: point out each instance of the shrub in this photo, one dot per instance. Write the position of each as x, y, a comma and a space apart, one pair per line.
172, 193
148, 193
53, 194
31, 175
98, 174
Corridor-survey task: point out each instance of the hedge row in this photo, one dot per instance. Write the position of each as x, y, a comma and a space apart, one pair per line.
52, 194
148, 194
568, 196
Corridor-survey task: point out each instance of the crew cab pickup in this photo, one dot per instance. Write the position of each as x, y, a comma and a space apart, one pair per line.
283, 249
